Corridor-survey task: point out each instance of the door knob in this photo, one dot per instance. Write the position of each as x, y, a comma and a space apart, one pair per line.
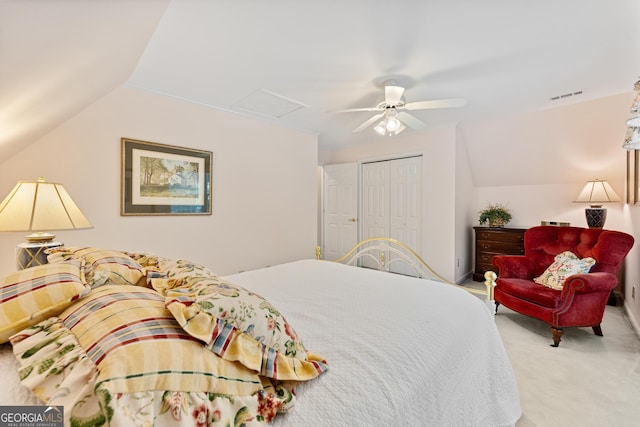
353, 219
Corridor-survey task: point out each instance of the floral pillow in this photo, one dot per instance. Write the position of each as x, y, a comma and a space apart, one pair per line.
564, 265
31, 295
103, 266
169, 267
239, 325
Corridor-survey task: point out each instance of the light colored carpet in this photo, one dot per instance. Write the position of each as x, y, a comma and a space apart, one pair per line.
586, 381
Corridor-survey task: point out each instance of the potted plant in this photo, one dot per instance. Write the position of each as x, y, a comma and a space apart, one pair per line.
497, 215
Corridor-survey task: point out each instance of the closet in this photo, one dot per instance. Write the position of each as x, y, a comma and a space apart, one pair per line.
392, 200
372, 199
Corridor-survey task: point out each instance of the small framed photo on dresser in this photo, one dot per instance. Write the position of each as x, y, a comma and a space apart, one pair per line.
160, 179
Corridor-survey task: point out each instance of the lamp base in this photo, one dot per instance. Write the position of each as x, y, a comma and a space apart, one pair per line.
32, 254
595, 217
40, 236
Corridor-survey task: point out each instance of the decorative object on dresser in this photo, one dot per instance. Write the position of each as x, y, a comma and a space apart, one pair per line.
495, 241
497, 215
39, 206
596, 193
556, 223
565, 276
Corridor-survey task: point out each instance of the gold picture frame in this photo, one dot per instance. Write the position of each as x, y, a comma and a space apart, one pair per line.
159, 179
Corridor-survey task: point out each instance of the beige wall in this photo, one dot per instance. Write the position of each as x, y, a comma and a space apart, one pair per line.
264, 182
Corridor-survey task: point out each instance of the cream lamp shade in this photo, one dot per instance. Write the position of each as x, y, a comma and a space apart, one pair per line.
596, 193
40, 206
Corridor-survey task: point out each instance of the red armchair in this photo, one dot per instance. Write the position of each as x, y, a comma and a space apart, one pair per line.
583, 298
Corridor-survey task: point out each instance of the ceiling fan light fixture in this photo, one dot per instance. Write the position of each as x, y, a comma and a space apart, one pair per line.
400, 128
390, 117
381, 127
393, 124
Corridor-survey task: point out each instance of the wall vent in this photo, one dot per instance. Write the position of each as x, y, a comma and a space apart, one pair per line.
566, 95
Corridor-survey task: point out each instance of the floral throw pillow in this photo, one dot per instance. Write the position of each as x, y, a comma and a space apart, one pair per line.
564, 265
169, 267
102, 266
239, 325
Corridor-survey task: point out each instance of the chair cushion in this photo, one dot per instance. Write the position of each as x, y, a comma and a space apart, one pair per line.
529, 291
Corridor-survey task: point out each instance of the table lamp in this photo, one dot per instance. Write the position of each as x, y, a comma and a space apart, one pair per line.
596, 193
39, 207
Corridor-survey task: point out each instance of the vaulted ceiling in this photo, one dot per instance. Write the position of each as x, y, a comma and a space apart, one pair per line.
259, 58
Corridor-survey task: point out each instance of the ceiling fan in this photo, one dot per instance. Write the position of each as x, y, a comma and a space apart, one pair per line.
393, 118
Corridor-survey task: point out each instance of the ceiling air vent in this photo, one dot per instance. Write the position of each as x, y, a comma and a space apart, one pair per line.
566, 95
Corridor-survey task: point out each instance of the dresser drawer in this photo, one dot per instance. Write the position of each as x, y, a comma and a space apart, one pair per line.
487, 267
500, 236
511, 248
485, 258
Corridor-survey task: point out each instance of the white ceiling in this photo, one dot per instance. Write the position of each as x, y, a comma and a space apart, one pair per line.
503, 56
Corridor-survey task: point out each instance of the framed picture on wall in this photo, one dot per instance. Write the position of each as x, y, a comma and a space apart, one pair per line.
160, 179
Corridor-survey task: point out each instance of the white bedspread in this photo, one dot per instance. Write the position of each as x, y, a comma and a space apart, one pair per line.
401, 351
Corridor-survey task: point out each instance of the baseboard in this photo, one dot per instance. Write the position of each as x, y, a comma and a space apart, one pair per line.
465, 277
634, 324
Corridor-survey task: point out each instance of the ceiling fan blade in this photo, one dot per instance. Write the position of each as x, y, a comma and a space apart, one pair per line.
411, 121
368, 123
436, 103
393, 94
350, 110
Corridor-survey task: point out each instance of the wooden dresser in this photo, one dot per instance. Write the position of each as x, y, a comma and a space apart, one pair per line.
495, 241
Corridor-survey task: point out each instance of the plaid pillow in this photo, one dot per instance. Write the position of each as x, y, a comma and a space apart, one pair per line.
31, 295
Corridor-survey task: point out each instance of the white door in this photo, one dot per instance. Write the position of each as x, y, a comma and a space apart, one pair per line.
406, 205
340, 209
392, 203
375, 200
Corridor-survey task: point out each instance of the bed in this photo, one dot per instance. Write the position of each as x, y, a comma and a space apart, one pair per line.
341, 344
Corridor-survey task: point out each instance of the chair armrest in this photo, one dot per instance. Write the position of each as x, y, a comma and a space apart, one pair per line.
513, 266
590, 282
